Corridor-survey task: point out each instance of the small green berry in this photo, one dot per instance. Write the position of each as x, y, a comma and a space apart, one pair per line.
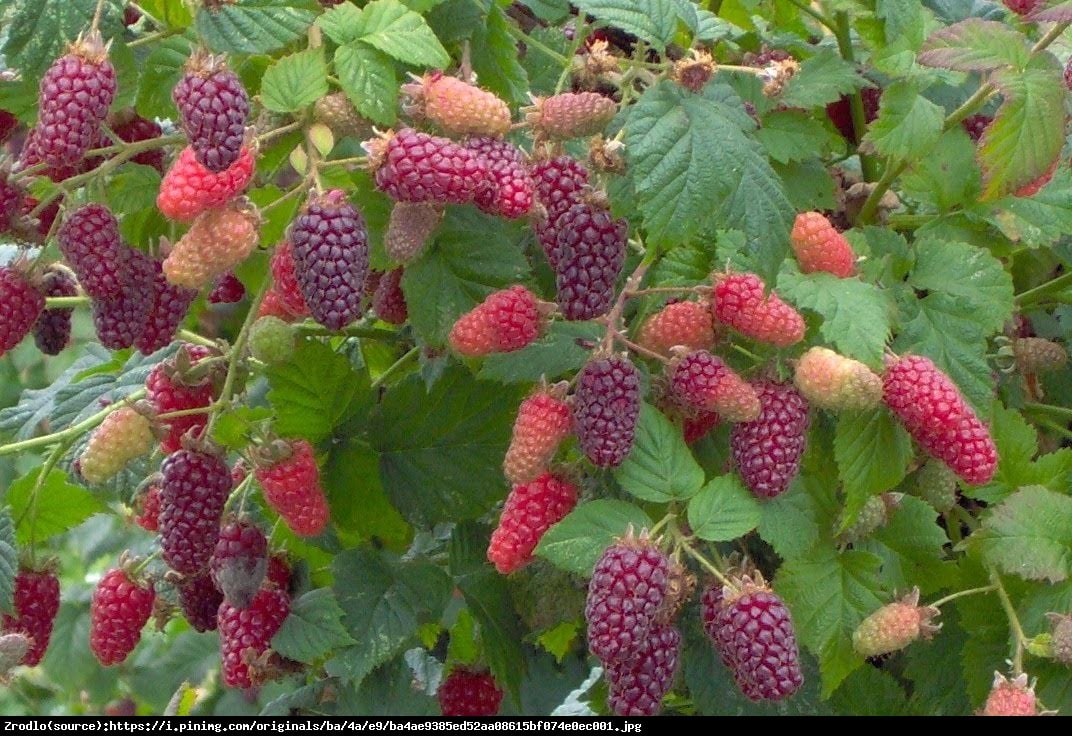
271, 340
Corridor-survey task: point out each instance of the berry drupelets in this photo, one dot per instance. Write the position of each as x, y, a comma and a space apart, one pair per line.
507, 320
290, 480
36, 603
119, 609
530, 510
411, 166
193, 490
467, 692
606, 407
895, 626
188, 188
767, 451
543, 422
739, 301
213, 107
246, 633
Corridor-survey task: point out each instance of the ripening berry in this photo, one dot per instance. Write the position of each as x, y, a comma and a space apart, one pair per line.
200, 601
188, 188
505, 321
702, 381
213, 107
121, 321
606, 407
933, 411
936, 484
639, 683
52, 330
836, 383
739, 301
166, 312
11, 198
467, 692
194, 487
388, 300
411, 166
291, 486
1011, 697
457, 107
570, 115
688, 324
132, 128
170, 387
895, 626
530, 510
147, 508
1038, 355
338, 113
874, 515
36, 602
271, 340
767, 451
218, 241
543, 422
118, 612
560, 182
1061, 638
285, 282
90, 243
409, 227
246, 633
123, 436
1022, 7
22, 305
820, 247
240, 562
510, 190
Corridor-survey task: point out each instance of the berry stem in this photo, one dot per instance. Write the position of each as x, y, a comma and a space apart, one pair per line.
543, 48
1014, 623
60, 302
276, 132
72, 431
1055, 427
189, 412
808, 10
96, 16
683, 542
842, 32
124, 152
151, 37
640, 349
373, 333
961, 594
353, 160
144, 562
192, 337
396, 367
240, 493
614, 316
667, 290
46, 468
970, 106
1060, 411
236, 354
1033, 295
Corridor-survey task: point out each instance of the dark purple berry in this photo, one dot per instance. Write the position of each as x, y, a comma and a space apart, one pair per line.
213, 107
193, 490
169, 306
227, 290
239, 562
200, 601
90, 243
767, 451
21, 306
606, 406
589, 250
52, 331
120, 321
639, 683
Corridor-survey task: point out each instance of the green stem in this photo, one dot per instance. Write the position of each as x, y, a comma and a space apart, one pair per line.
188, 412
640, 349
1014, 623
1032, 295
842, 33
124, 152
805, 8
1050, 409
144, 563
192, 337
149, 38
61, 302
395, 367
354, 160
72, 431
965, 518
276, 132
46, 468
703, 561
543, 48
960, 594
236, 354
1055, 428
373, 333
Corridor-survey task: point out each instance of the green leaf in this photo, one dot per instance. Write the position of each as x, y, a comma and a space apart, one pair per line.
829, 594
548, 10
660, 467
792, 136
472, 256
870, 692
367, 76
357, 498
723, 510
1027, 133
576, 543
975, 45
912, 548
295, 81
312, 392
133, 188
948, 176
172, 14
560, 350
312, 629
653, 21
341, 23
383, 603
161, 70
495, 59
253, 26
1029, 535
37, 32
421, 436
908, 124
394, 29
861, 438
822, 79
856, 314
61, 505
9, 561
693, 167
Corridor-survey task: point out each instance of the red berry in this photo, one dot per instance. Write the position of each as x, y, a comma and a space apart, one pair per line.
703, 381
1010, 697
219, 240
606, 406
188, 188
559, 184
933, 411
213, 107
239, 562
767, 451
331, 258
457, 107
90, 243
227, 290
278, 573
510, 191
32, 155
133, 128
11, 199
193, 490
170, 391
418, 167
409, 227
1022, 7
147, 508
52, 331
122, 437
246, 633
8, 124
840, 112
894, 627
22, 305
589, 252
285, 282
753, 633
44, 219
976, 125
37, 601
531, 509
820, 247
292, 488
570, 115
507, 320
168, 309
465, 692
739, 302
625, 598
200, 601
694, 428
639, 683
388, 301
543, 421
117, 613
681, 323
75, 95
121, 320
